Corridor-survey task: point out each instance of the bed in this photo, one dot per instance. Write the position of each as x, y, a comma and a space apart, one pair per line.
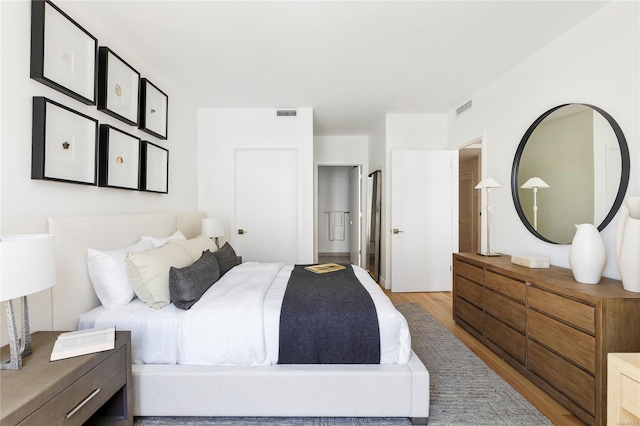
397, 387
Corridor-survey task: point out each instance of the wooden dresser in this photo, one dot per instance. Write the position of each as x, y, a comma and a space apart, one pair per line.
552, 329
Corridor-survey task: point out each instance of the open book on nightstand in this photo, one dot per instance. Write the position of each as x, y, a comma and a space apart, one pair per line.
76, 343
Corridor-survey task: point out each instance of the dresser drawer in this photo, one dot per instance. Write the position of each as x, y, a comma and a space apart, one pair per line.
102, 382
573, 382
469, 290
507, 286
468, 271
569, 342
469, 313
507, 338
507, 310
575, 313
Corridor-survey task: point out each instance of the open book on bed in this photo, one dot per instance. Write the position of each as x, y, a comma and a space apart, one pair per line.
76, 343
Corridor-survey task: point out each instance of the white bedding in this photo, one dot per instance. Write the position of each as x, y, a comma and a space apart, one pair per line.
236, 322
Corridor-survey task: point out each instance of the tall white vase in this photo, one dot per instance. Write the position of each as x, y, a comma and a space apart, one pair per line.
628, 244
587, 255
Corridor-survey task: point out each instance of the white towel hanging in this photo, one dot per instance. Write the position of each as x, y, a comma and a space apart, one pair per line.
336, 225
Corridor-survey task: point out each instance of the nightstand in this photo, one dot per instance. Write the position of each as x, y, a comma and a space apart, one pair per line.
91, 388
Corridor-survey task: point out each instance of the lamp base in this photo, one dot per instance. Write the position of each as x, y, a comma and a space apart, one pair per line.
489, 254
17, 353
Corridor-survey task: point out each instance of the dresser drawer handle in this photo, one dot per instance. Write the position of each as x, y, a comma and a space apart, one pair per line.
79, 406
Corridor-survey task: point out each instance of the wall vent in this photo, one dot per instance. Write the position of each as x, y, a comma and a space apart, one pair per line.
286, 113
463, 108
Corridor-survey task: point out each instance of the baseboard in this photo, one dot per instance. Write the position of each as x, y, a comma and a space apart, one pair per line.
335, 254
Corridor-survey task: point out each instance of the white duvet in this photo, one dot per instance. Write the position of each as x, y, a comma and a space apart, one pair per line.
236, 322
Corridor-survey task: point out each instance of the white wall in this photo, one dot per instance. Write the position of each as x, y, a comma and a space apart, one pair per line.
21, 196
597, 62
222, 131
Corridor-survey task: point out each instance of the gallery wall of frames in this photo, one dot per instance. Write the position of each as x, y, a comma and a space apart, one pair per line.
68, 146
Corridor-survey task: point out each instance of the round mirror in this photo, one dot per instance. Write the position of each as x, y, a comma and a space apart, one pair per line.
571, 167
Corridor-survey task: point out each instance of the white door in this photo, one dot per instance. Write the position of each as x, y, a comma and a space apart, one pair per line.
266, 205
421, 220
355, 215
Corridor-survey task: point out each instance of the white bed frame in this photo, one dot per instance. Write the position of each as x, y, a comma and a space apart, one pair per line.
188, 390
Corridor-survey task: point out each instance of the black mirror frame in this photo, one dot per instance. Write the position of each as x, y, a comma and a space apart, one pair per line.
624, 179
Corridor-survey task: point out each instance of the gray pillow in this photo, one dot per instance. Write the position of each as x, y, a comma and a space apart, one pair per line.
226, 257
188, 284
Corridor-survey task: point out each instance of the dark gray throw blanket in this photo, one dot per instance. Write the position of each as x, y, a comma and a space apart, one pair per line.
328, 319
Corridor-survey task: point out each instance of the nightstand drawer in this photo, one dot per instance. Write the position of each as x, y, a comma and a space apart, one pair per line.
469, 271
505, 309
571, 343
575, 313
102, 382
630, 395
469, 291
507, 286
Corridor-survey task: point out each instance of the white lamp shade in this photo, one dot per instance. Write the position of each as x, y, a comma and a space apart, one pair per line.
535, 182
487, 183
28, 265
212, 227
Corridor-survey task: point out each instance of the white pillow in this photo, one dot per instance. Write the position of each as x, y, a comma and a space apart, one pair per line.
159, 242
196, 246
108, 273
149, 272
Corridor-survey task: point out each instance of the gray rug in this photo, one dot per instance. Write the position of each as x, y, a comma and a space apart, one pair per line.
464, 390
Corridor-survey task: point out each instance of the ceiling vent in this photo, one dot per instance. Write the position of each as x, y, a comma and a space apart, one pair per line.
287, 113
463, 108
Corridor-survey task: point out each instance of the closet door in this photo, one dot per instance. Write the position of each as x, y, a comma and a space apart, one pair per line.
421, 220
266, 205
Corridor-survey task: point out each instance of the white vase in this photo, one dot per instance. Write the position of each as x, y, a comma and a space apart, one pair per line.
628, 244
587, 255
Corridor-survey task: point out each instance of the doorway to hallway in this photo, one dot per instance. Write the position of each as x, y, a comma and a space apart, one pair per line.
338, 214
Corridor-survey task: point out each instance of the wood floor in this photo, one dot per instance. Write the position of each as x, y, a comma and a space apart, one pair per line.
439, 305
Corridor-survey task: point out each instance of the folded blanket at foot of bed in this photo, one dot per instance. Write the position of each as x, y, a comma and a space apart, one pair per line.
328, 319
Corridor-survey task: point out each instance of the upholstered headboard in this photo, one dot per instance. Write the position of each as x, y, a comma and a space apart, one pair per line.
73, 293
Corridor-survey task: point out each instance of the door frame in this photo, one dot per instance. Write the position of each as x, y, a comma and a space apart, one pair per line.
364, 171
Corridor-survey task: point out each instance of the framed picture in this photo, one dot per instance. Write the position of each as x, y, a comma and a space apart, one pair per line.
154, 109
119, 160
64, 143
118, 87
155, 168
63, 54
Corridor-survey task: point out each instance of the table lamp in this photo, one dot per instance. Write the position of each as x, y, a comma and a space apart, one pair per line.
488, 183
535, 183
28, 266
213, 228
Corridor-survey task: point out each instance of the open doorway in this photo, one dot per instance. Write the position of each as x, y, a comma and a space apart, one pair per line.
470, 160
339, 210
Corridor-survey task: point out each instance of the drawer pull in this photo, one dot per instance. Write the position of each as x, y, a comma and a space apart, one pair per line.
79, 406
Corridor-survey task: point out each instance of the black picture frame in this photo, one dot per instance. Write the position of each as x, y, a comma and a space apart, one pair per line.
155, 168
64, 144
118, 87
67, 61
154, 110
119, 159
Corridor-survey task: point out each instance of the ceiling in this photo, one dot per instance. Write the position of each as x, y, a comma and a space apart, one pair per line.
351, 61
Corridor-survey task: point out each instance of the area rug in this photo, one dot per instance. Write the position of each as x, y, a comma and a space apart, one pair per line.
464, 390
